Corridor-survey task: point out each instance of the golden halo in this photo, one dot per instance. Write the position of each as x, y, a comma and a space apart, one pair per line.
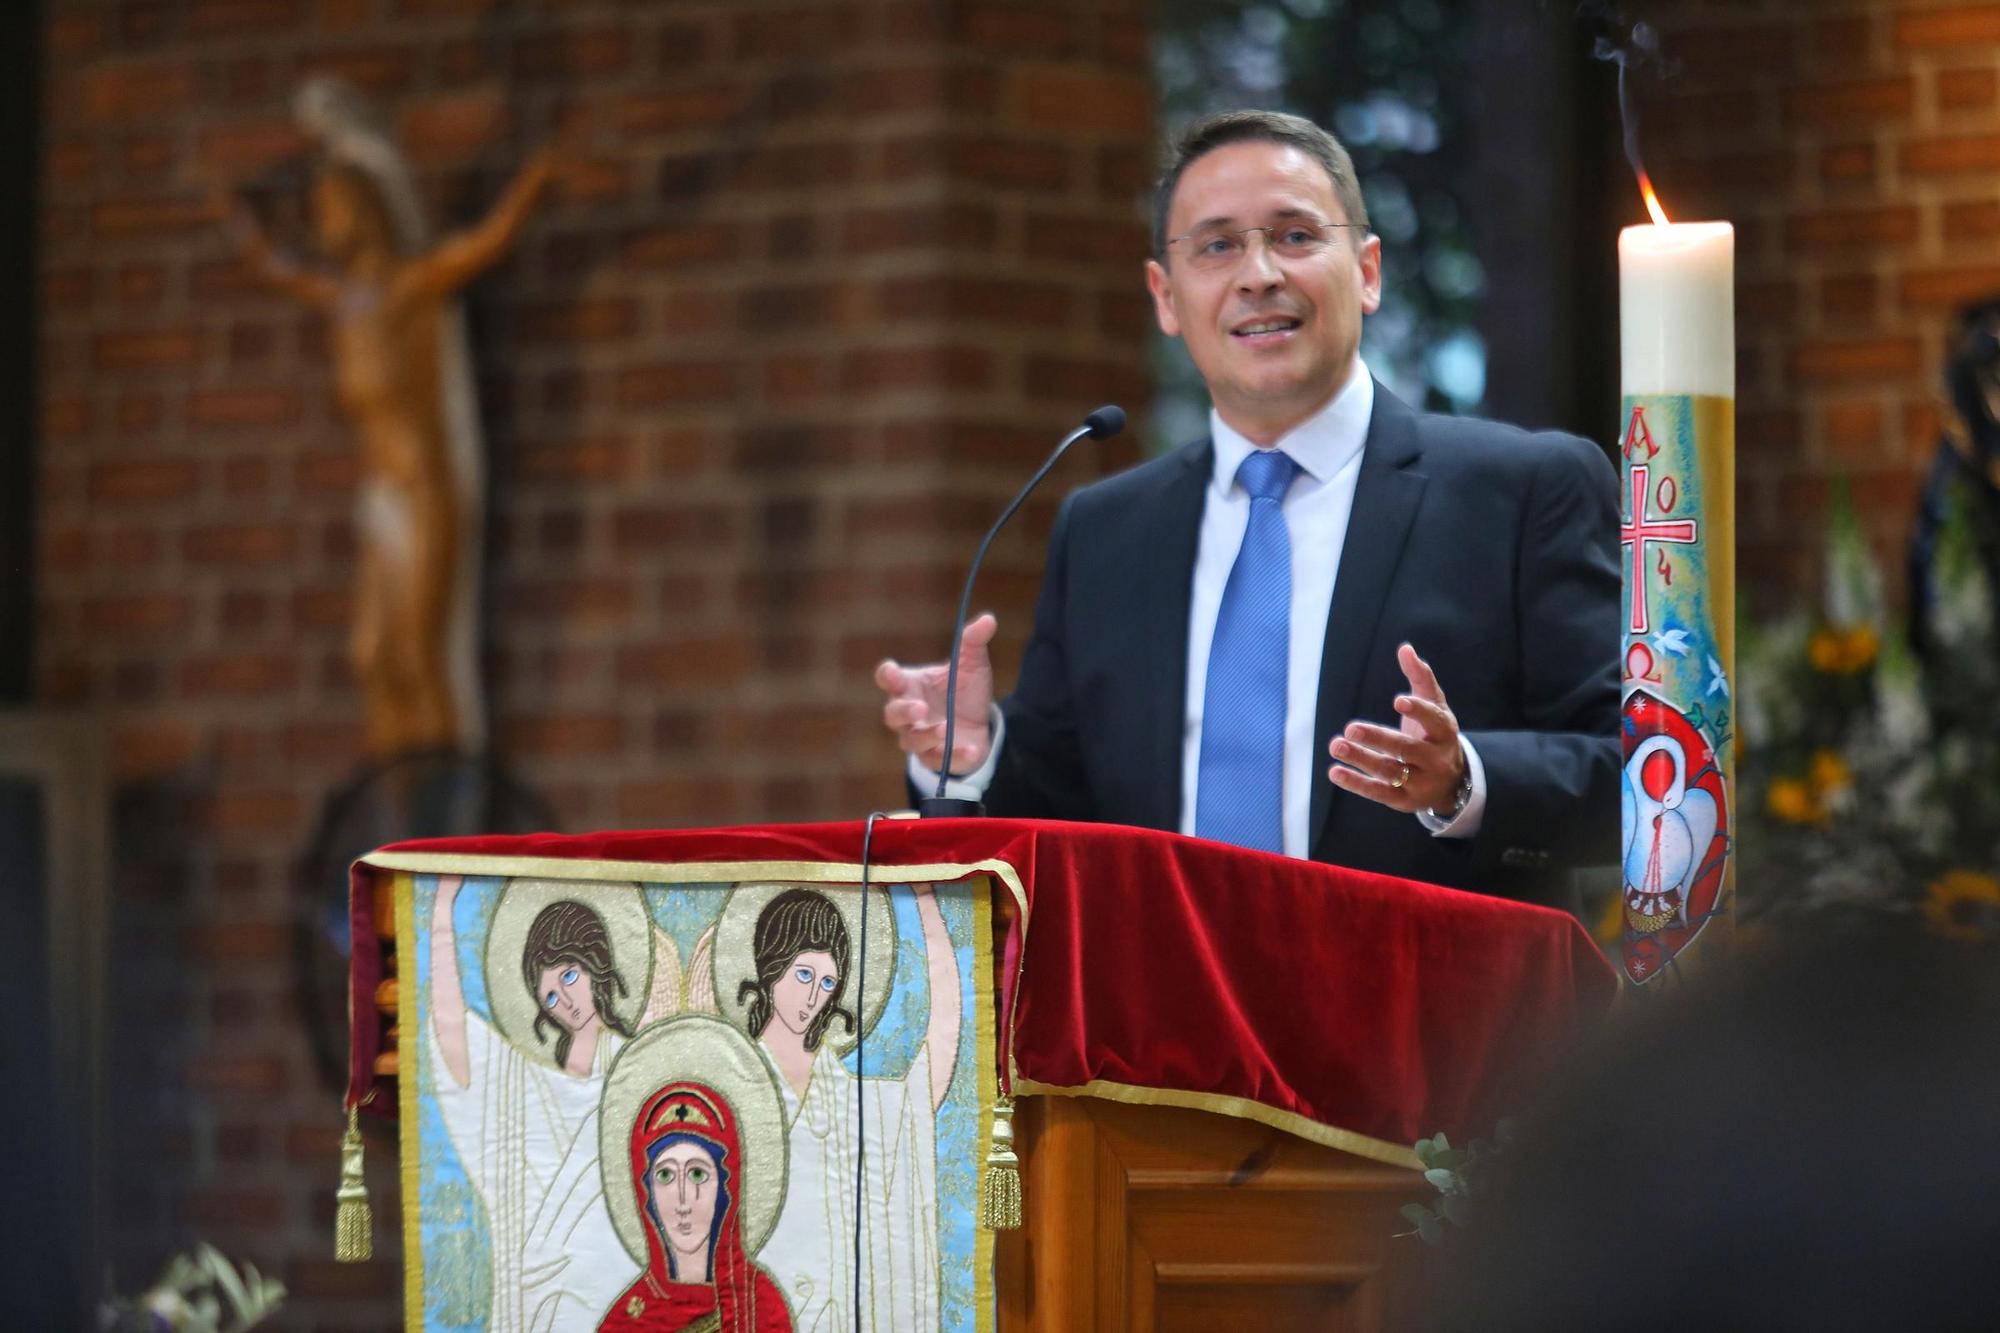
735, 957
626, 922
702, 1049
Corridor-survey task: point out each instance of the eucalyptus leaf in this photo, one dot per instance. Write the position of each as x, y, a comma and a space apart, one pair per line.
1426, 1148
1441, 1140
232, 1286
1445, 1181
1414, 1213
1431, 1230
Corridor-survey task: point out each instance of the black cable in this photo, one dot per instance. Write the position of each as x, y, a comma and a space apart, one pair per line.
861, 1064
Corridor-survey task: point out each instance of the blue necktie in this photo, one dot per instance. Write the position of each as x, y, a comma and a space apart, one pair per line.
1240, 788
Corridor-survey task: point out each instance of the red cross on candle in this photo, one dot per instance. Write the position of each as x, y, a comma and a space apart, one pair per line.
1637, 530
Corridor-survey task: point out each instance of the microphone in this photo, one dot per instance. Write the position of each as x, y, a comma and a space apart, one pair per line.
1102, 424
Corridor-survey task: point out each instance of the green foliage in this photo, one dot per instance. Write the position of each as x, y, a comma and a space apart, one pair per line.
199, 1292
1452, 1172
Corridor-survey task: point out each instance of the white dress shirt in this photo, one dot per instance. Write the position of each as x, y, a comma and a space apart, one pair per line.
1327, 447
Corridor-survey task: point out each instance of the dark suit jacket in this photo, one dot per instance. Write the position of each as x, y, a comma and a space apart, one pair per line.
1492, 550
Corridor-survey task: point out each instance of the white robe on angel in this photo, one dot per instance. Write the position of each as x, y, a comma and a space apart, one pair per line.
527, 1135
811, 1250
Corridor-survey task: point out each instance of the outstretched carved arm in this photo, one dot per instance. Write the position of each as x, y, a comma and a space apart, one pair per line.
462, 256
271, 267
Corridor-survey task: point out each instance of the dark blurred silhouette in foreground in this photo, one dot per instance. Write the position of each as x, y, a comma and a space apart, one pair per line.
1806, 1138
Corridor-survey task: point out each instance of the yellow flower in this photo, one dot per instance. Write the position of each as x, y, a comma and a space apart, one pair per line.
1837, 651
1609, 928
1793, 801
1828, 774
1954, 902
1861, 644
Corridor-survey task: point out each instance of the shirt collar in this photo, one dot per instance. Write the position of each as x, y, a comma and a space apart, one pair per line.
1321, 445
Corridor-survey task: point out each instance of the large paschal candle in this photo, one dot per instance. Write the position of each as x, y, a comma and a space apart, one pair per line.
1677, 534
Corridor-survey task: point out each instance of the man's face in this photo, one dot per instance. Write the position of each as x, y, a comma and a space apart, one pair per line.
1308, 310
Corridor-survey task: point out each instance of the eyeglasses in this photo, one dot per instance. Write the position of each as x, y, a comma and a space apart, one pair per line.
1220, 247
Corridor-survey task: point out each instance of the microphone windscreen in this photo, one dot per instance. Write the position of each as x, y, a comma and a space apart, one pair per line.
1106, 421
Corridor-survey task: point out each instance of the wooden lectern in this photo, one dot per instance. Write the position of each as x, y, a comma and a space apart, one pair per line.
1150, 1217
1219, 1058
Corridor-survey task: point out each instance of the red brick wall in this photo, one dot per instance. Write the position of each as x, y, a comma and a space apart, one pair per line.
837, 275
1856, 146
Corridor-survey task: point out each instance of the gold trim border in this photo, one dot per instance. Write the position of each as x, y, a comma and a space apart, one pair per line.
693, 872
1242, 1108
406, 1104
985, 1299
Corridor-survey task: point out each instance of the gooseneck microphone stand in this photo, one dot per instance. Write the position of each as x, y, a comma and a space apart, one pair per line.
1102, 424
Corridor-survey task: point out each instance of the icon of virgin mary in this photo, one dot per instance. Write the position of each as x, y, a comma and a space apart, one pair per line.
693, 1144
686, 1159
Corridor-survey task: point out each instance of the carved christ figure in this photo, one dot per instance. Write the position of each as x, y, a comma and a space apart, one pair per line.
388, 313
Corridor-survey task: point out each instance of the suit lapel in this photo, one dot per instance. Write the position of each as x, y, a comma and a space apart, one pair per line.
1386, 495
1160, 640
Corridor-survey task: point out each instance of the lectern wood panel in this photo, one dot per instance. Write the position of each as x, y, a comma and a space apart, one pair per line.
1155, 1218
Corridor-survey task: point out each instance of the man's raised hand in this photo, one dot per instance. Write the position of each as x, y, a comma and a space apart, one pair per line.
914, 708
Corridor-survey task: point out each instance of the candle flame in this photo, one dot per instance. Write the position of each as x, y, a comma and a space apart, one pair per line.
1652, 200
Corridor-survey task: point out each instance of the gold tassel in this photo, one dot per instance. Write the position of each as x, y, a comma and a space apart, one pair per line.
1000, 1186
354, 1222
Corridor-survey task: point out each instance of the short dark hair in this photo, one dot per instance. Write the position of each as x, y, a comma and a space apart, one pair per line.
1206, 135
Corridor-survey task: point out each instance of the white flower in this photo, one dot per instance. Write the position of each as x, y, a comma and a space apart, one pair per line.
1853, 579
1900, 715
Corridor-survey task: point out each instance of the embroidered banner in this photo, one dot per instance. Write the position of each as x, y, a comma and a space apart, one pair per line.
747, 1105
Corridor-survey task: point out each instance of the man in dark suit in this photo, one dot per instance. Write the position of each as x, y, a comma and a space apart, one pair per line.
1216, 624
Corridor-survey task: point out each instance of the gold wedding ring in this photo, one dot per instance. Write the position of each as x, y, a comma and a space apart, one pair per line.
1401, 778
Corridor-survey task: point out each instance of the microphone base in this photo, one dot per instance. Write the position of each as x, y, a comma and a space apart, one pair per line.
949, 807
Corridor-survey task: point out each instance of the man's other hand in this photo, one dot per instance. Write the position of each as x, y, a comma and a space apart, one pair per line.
914, 709
1418, 766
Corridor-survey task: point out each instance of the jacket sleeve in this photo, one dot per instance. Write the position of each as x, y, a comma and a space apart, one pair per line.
1552, 783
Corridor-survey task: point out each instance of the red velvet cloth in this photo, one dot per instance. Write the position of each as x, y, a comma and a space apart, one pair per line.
364, 975
1369, 1004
